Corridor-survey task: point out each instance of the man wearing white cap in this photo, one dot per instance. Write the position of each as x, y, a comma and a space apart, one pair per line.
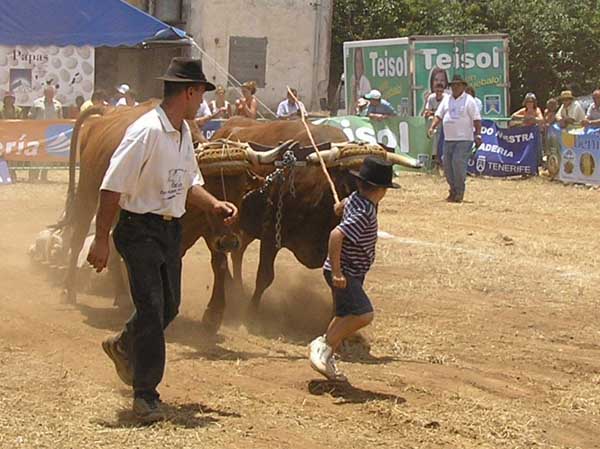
379, 109
127, 98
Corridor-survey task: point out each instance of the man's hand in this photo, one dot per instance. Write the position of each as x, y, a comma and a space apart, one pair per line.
339, 280
478, 141
430, 132
227, 210
98, 255
585, 122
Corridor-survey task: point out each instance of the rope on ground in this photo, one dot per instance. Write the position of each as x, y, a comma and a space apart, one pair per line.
336, 197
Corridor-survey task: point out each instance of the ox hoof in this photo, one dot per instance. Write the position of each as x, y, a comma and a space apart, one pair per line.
211, 321
69, 297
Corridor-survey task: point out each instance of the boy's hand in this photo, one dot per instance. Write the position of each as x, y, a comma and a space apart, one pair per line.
338, 208
339, 281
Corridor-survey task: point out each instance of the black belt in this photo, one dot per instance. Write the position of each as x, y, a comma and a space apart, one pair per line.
149, 215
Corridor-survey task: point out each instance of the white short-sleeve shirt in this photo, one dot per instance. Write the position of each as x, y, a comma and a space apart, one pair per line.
458, 115
154, 166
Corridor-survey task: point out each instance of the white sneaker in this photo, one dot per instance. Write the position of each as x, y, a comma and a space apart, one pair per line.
332, 372
320, 352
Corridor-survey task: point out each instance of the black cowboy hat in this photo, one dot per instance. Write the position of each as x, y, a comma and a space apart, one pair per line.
186, 70
377, 172
457, 79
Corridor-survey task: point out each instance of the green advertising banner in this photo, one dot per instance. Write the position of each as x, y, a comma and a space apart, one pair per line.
405, 135
371, 65
481, 62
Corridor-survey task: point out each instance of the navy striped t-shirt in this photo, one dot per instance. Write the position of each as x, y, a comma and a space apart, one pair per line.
359, 226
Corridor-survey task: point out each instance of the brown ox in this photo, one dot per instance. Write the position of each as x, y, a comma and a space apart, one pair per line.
307, 218
307, 212
97, 134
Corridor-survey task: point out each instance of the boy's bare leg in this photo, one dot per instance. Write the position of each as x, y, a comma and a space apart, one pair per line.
343, 327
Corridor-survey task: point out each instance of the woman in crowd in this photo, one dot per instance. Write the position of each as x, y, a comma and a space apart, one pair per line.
247, 106
550, 112
220, 107
529, 114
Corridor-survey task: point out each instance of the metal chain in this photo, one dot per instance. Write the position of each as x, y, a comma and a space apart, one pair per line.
278, 176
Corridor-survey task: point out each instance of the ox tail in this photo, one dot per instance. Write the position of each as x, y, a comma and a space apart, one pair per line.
74, 150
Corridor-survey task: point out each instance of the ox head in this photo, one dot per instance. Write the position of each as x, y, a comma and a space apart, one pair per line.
229, 171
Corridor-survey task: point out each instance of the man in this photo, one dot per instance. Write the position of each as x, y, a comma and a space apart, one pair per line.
98, 99
127, 96
46, 107
151, 175
8, 110
459, 114
592, 117
204, 115
290, 108
379, 109
570, 112
434, 100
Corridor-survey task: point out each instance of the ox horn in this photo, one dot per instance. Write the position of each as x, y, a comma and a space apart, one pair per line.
269, 157
405, 161
329, 157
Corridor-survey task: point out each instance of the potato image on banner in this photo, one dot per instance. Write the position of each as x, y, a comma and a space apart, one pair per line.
568, 139
569, 167
587, 164
87, 68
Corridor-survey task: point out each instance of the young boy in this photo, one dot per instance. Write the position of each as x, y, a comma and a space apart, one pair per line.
351, 254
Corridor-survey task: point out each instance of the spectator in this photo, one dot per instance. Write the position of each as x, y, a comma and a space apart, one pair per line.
98, 99
220, 107
46, 107
8, 110
570, 112
362, 106
289, 108
459, 115
550, 112
529, 114
434, 100
471, 91
592, 118
247, 106
128, 96
203, 115
379, 109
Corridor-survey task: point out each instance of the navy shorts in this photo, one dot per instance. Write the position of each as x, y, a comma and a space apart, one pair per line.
351, 300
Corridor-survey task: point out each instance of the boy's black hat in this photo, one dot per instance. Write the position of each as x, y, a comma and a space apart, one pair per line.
186, 70
377, 172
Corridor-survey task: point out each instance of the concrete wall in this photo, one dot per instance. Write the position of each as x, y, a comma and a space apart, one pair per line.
299, 41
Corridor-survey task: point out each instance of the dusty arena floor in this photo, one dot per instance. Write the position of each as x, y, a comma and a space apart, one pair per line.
486, 336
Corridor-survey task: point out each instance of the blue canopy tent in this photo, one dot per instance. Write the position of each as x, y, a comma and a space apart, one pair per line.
109, 23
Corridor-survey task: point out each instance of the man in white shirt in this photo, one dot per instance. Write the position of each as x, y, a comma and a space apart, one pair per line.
46, 107
570, 112
592, 116
151, 175
127, 96
460, 115
289, 108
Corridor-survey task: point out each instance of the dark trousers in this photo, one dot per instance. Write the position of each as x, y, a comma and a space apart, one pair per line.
150, 247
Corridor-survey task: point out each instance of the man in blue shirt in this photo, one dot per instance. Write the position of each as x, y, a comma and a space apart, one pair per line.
379, 109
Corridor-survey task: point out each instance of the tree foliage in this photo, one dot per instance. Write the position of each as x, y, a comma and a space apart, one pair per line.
553, 43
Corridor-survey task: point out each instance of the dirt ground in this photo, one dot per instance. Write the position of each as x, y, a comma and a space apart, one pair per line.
486, 336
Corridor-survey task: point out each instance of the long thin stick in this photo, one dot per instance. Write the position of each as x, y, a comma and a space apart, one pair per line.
336, 197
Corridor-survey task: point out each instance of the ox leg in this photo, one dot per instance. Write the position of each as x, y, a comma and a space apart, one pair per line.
237, 258
213, 316
79, 235
265, 275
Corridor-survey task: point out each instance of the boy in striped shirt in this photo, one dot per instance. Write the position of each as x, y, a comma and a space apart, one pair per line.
351, 254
